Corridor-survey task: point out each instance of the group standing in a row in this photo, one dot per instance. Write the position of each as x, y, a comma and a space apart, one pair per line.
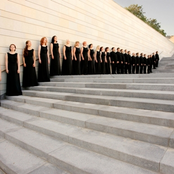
76, 61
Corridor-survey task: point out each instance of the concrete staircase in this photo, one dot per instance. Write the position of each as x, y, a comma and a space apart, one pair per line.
96, 124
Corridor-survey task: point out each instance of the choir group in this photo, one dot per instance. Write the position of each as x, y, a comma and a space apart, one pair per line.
76, 61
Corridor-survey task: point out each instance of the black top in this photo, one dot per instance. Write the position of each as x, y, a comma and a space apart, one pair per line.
85, 53
92, 54
77, 53
133, 60
119, 57
137, 60
113, 56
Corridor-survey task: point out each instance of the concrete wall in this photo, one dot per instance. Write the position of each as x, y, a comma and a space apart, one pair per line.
101, 22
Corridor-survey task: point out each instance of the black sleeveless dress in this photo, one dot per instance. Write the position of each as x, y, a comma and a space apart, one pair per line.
55, 63
77, 63
103, 63
98, 64
43, 74
85, 62
108, 68
13, 86
29, 72
67, 64
91, 64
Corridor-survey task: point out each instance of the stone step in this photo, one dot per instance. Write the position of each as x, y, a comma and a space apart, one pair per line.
138, 103
136, 115
139, 131
137, 86
16, 160
162, 95
109, 148
116, 80
158, 75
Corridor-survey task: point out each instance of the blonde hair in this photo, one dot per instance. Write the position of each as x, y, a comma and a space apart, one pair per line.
98, 47
77, 42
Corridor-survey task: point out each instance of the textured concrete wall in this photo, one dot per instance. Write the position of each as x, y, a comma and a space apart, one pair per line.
101, 22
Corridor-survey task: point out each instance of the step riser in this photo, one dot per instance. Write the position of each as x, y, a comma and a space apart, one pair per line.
110, 114
128, 104
164, 141
108, 93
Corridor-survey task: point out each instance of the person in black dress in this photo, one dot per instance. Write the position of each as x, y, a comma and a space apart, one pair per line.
137, 63
154, 60
104, 60
12, 63
145, 63
118, 67
129, 60
29, 72
157, 58
67, 58
43, 55
122, 61
91, 60
108, 64
133, 63
55, 57
126, 61
141, 63
77, 58
113, 59
98, 60
84, 56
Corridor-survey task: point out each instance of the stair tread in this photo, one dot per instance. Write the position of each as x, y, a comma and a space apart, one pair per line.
81, 159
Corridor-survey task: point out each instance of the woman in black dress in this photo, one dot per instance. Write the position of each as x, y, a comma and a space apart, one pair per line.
77, 58
104, 60
98, 60
67, 58
43, 55
84, 56
108, 63
55, 57
29, 72
91, 60
12, 61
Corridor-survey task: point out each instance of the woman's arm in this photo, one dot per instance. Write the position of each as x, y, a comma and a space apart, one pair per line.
59, 52
18, 62
74, 53
23, 58
39, 54
48, 56
82, 53
34, 58
51, 49
6, 63
64, 49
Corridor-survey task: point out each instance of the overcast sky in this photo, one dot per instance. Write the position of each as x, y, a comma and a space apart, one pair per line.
162, 10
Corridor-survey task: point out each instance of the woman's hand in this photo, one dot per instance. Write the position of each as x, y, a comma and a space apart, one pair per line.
18, 71
33, 64
25, 65
52, 57
40, 61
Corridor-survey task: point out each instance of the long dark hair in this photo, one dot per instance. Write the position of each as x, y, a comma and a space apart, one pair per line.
26, 48
52, 40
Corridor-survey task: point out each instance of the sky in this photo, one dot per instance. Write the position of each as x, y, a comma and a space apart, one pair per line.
162, 10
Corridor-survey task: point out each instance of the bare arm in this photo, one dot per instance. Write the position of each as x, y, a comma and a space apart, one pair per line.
48, 56
95, 56
51, 49
18, 62
23, 58
64, 49
59, 52
39, 49
34, 58
82, 53
74, 53
6, 63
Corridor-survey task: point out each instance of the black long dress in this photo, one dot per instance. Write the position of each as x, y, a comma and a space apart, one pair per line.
108, 64
103, 63
13, 87
98, 64
85, 61
43, 74
67, 64
29, 72
76, 64
55, 63
91, 63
